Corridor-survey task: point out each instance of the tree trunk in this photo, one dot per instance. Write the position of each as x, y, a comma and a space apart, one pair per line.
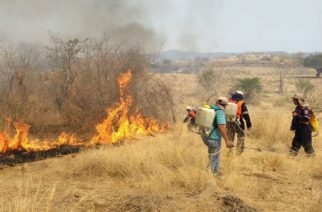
318, 72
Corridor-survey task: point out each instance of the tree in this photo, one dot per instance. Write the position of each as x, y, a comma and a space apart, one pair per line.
314, 61
282, 71
250, 86
283, 65
210, 79
16, 70
65, 57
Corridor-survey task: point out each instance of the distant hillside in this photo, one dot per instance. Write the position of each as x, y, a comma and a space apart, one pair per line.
192, 62
189, 55
174, 54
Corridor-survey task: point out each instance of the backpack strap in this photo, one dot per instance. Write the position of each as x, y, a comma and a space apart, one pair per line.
214, 124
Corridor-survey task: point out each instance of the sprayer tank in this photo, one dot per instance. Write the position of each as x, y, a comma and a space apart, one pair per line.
205, 117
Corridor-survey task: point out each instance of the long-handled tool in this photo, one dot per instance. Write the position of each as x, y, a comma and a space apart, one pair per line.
254, 148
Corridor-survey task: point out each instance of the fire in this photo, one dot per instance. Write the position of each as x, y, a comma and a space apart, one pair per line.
117, 126
21, 142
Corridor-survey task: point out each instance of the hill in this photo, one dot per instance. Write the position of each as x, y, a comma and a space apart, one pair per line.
190, 55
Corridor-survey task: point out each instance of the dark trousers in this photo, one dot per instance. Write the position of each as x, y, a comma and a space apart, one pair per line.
232, 129
302, 137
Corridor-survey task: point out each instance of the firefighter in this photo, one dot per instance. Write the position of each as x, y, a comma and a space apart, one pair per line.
191, 114
237, 126
301, 126
213, 139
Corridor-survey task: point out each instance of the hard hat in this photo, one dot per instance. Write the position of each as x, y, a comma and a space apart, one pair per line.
239, 92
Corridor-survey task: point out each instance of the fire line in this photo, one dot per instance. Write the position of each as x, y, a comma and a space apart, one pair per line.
117, 126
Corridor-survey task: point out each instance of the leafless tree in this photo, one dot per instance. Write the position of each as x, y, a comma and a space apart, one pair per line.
16, 69
64, 56
210, 79
72, 87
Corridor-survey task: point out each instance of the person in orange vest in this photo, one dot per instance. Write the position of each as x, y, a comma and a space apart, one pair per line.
237, 126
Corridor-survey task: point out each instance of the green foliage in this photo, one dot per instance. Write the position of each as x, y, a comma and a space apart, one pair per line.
250, 86
313, 61
304, 86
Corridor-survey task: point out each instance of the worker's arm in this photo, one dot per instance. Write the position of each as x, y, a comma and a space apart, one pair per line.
223, 132
186, 119
245, 115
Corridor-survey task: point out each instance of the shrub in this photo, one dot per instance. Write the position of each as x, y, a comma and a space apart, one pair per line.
70, 89
250, 86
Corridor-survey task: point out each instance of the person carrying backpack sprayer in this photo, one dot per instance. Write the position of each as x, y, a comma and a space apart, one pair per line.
302, 127
217, 130
191, 116
237, 124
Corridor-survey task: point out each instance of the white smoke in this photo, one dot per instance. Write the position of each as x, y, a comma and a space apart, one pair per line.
149, 23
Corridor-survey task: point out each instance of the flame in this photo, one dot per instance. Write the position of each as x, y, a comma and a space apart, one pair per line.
20, 141
117, 126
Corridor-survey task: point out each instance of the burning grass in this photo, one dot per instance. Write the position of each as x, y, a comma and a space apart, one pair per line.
118, 126
146, 176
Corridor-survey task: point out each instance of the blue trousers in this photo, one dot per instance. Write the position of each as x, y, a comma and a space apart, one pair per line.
213, 153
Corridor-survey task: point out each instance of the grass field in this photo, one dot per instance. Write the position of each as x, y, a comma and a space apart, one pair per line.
168, 171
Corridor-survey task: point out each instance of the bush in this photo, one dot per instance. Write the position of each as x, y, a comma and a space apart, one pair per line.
314, 61
250, 86
71, 88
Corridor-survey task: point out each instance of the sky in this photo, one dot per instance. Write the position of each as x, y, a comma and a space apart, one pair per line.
189, 25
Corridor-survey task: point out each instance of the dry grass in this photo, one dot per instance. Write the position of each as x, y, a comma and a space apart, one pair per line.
166, 173
169, 172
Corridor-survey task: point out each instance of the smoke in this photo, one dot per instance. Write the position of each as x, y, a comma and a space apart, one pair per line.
148, 23
199, 26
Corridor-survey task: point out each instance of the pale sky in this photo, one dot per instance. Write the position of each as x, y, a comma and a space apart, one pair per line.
203, 25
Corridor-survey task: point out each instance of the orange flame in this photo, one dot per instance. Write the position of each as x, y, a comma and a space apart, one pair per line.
117, 126
21, 142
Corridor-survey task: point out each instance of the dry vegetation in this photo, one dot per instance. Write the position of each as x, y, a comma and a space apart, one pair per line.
72, 82
168, 172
